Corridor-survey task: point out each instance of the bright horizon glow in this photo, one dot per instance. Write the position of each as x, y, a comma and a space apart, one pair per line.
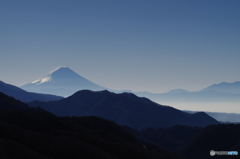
222, 107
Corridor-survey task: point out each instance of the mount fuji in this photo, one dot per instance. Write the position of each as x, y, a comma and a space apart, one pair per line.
62, 81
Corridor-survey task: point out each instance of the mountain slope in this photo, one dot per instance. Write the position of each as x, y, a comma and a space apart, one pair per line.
65, 82
198, 96
223, 137
225, 87
62, 81
208, 100
170, 138
9, 103
39, 134
25, 96
124, 109
222, 117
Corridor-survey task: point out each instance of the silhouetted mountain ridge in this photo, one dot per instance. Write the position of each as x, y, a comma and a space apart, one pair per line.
225, 87
124, 109
25, 96
42, 135
222, 117
65, 82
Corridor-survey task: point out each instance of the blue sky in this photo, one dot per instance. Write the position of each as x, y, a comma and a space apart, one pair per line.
141, 45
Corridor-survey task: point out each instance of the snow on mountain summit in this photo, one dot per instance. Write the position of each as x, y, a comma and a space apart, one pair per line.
57, 74
42, 80
61, 81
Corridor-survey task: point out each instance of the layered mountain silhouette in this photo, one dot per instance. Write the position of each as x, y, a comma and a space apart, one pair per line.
9, 103
223, 117
32, 133
25, 96
187, 96
42, 135
124, 109
225, 87
63, 82
216, 98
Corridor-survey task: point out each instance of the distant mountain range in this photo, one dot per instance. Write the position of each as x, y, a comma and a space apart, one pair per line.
225, 87
215, 93
187, 96
222, 97
28, 96
63, 82
222, 117
25, 96
124, 109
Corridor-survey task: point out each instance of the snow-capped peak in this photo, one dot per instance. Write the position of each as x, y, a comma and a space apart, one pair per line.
62, 73
42, 80
61, 81
59, 68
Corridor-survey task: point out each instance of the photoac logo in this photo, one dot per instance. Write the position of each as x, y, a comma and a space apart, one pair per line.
212, 152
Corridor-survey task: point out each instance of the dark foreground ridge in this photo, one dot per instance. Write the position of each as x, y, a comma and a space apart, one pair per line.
33, 133
124, 109
223, 137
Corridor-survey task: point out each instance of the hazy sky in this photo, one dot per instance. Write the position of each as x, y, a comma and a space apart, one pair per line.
141, 45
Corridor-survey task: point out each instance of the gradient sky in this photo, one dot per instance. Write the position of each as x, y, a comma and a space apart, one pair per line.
140, 45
